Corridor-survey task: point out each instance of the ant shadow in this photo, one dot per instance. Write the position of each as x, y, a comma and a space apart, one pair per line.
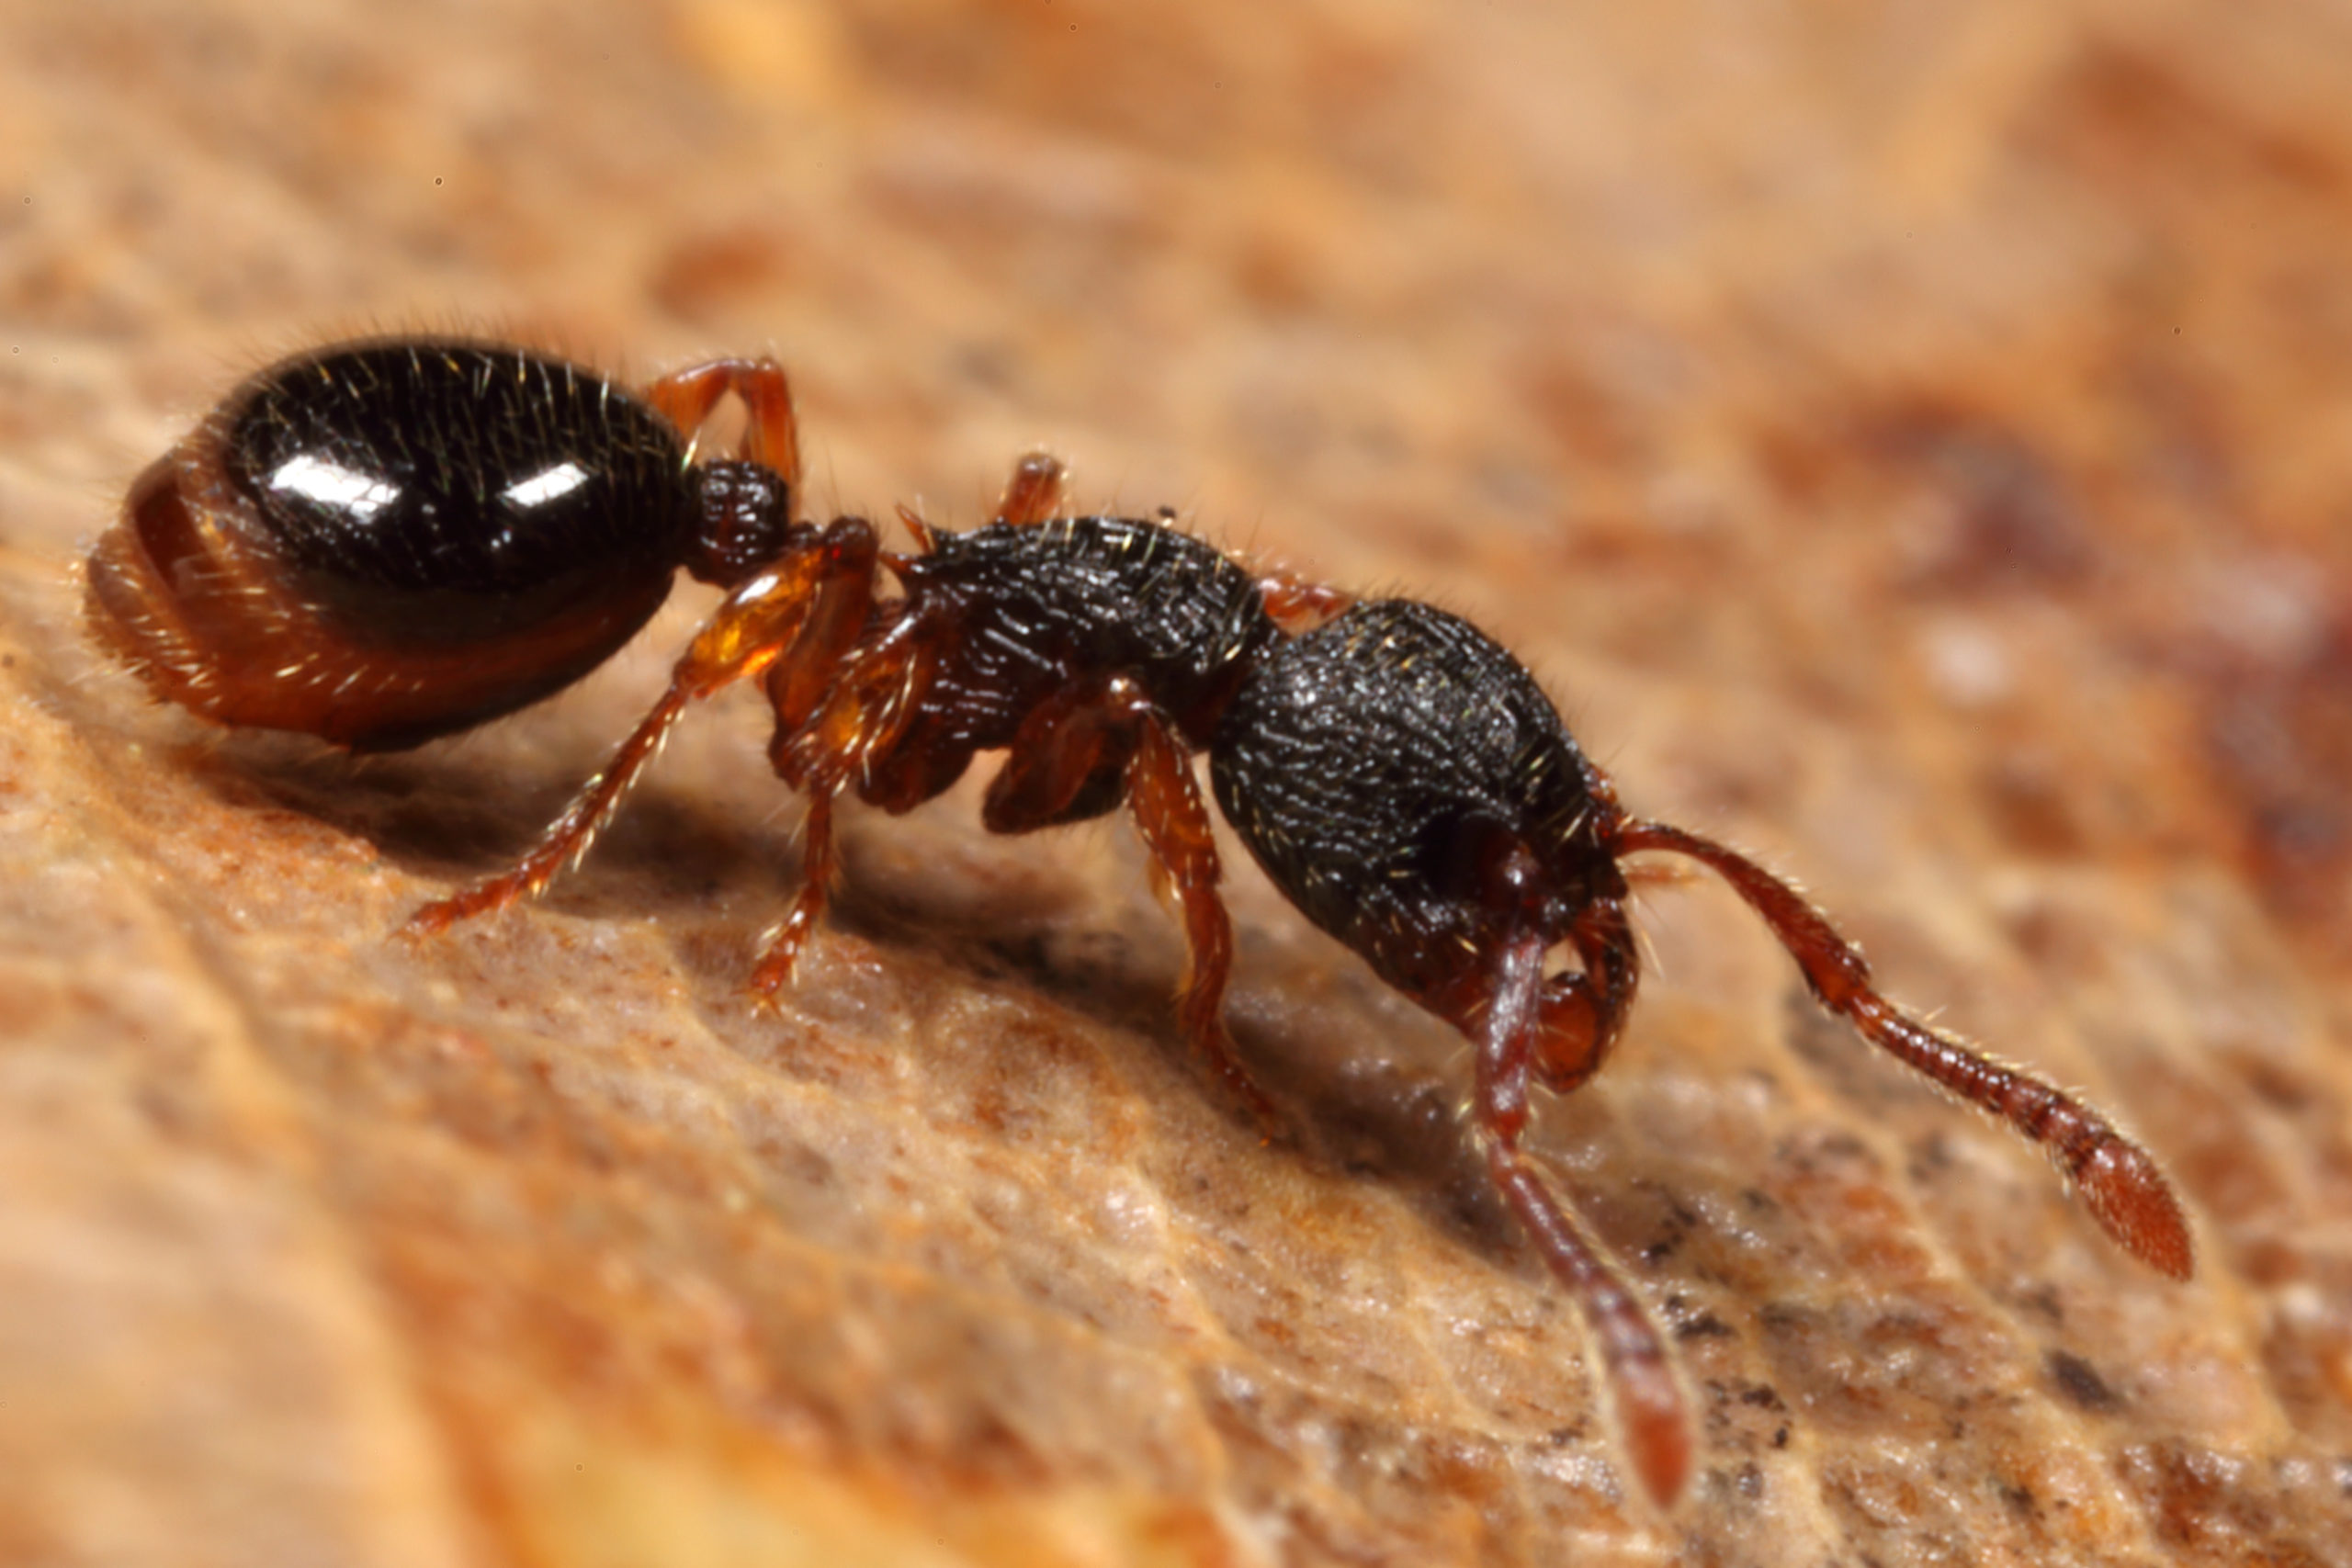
1387, 1111
1390, 1115
460, 808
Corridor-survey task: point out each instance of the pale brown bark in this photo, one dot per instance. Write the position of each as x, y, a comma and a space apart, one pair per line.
1911, 445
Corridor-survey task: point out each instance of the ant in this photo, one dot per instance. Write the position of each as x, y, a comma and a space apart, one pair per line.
384, 541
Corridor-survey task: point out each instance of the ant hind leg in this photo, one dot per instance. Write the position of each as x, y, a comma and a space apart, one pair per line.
772, 438
820, 869
795, 611
854, 723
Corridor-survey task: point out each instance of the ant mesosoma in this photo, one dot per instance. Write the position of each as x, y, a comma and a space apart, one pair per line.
385, 541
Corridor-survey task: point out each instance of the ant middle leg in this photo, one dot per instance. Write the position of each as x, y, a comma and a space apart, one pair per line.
1069, 761
1077, 754
1031, 496
802, 613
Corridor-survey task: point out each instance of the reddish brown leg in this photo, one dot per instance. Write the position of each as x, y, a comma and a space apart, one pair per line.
926, 536
686, 396
1297, 605
839, 609
1054, 774
1175, 827
865, 711
1635, 1367
795, 610
861, 716
2119, 1183
1068, 761
820, 869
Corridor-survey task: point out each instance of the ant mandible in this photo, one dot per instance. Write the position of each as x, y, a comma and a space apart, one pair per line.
382, 542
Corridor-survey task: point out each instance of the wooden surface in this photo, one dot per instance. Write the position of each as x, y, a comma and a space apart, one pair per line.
1915, 442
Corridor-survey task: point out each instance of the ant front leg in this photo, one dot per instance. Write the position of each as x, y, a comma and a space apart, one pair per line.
1513, 1038
800, 614
1076, 755
2121, 1185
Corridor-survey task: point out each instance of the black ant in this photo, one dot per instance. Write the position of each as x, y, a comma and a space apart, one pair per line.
385, 541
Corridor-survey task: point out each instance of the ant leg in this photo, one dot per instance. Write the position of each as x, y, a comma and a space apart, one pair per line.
792, 611
1639, 1375
1062, 767
2120, 1182
1035, 490
1068, 760
860, 716
820, 869
1175, 826
1298, 607
926, 536
686, 396
863, 712
839, 610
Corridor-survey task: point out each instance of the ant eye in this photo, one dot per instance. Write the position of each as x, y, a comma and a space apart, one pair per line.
746, 518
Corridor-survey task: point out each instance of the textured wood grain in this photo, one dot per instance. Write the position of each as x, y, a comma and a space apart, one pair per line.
1912, 442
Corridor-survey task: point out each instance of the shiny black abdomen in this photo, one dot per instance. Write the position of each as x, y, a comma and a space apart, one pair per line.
431, 492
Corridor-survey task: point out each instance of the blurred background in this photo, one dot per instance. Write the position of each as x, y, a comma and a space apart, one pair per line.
1914, 442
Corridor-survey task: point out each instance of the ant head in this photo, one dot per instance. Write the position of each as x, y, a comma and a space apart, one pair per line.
1508, 885
1508, 880
746, 518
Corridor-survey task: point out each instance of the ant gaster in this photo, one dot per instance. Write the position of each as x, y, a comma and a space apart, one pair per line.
382, 542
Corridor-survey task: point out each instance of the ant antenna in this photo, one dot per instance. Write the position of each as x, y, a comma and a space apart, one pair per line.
2118, 1180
